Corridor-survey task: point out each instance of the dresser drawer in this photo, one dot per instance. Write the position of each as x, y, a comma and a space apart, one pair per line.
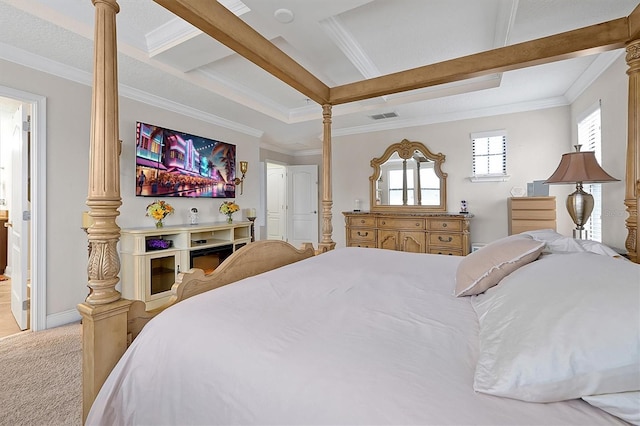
533, 203
359, 221
445, 240
533, 214
401, 223
362, 244
448, 252
362, 235
444, 225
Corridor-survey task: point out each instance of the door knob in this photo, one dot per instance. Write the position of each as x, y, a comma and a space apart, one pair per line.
8, 224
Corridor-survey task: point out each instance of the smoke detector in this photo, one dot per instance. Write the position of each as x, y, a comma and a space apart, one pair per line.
283, 15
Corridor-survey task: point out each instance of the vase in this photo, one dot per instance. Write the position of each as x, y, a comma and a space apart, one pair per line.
229, 219
159, 224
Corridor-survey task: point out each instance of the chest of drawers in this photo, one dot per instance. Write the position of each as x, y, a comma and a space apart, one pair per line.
437, 233
529, 213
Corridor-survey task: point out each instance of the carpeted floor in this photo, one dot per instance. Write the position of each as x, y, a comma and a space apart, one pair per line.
40, 377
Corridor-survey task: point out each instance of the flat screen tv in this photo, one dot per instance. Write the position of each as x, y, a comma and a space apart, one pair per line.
177, 164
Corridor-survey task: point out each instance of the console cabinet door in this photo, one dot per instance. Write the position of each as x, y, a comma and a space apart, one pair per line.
388, 239
413, 242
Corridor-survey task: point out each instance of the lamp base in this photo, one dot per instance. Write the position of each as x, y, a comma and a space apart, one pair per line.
580, 206
580, 234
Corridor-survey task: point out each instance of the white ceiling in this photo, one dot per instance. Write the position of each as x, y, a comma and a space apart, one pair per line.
167, 62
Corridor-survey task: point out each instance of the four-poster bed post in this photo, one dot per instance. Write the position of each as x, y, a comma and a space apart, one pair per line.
327, 202
108, 319
104, 314
632, 178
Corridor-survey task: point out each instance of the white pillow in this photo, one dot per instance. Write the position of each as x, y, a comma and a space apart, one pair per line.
625, 405
485, 268
558, 243
564, 327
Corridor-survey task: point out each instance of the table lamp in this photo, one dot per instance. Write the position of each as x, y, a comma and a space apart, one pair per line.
579, 167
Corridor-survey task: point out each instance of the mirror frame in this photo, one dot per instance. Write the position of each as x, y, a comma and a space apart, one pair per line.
405, 150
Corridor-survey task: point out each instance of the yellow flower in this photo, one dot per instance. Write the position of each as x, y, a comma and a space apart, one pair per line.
229, 207
159, 210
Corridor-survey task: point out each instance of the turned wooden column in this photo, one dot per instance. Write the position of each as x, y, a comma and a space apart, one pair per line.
104, 162
632, 188
104, 313
327, 202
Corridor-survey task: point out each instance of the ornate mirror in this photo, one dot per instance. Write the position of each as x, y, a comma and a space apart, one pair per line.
403, 167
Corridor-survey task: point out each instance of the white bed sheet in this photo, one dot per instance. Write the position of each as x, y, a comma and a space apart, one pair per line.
341, 338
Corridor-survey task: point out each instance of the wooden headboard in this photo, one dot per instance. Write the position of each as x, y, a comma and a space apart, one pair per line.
105, 313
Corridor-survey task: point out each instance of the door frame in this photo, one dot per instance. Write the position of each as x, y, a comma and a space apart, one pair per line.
38, 165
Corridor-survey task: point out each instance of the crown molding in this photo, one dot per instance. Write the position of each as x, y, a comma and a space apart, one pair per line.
350, 47
169, 35
591, 74
76, 75
455, 116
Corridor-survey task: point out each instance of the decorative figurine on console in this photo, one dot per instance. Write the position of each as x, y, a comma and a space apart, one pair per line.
463, 207
193, 216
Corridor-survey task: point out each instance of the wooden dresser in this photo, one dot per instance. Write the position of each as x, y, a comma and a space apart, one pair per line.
530, 213
436, 233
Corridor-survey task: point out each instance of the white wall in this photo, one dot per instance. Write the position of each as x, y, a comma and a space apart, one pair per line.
535, 142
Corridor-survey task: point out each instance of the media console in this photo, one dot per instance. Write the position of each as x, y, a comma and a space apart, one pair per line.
152, 258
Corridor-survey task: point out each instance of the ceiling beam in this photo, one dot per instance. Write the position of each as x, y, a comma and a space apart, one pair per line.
221, 24
588, 40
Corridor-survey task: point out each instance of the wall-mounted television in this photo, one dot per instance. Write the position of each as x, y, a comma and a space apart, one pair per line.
177, 164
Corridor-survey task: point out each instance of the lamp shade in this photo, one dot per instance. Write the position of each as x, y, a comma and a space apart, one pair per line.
579, 167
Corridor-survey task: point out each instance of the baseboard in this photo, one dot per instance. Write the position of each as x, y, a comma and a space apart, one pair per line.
63, 318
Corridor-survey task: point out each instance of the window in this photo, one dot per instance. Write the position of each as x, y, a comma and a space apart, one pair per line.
489, 151
589, 137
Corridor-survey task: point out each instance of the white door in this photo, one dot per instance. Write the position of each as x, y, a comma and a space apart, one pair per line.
276, 202
302, 187
19, 219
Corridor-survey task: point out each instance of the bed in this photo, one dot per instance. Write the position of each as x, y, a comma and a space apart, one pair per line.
416, 347
369, 336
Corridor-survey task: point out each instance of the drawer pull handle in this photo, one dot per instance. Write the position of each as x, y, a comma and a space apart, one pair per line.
444, 225
361, 220
363, 235
417, 223
445, 240
384, 223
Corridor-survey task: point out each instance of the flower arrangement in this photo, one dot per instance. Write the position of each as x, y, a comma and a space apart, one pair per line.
158, 210
229, 208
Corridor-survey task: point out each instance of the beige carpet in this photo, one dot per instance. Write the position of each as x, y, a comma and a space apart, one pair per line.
40, 377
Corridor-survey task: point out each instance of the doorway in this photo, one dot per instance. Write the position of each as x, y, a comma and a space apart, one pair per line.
26, 236
292, 203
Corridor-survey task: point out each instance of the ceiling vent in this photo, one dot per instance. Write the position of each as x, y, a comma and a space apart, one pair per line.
384, 115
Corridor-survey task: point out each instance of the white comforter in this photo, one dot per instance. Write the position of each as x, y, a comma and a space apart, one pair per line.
353, 336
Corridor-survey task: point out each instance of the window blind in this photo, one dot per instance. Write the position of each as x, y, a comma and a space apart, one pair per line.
489, 151
589, 136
